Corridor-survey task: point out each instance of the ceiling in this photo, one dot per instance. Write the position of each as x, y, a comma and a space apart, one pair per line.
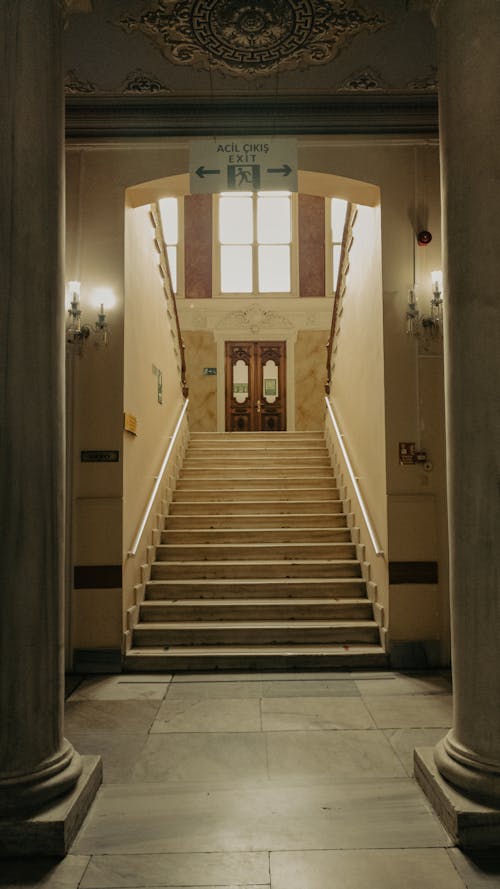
148, 67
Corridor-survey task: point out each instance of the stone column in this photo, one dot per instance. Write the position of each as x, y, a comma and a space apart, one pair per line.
469, 40
36, 763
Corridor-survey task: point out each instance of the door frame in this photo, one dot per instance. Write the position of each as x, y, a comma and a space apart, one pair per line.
235, 335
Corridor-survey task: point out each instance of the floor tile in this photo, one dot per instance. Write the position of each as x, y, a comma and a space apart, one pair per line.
180, 678
119, 756
207, 758
309, 688
332, 755
478, 870
306, 675
358, 814
207, 715
314, 714
401, 684
109, 716
373, 869
49, 873
404, 741
225, 689
113, 688
181, 869
411, 711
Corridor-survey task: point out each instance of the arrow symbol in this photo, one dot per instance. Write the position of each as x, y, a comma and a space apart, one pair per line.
285, 170
201, 172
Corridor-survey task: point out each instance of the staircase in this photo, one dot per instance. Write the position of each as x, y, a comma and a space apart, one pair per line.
256, 568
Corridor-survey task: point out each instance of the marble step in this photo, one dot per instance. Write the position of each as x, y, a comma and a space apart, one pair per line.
236, 495
255, 632
255, 609
258, 450
288, 521
215, 552
257, 507
257, 569
255, 535
201, 659
239, 463
237, 437
187, 483
262, 472
250, 588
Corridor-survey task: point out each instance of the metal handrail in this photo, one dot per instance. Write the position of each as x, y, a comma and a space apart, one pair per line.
373, 536
133, 549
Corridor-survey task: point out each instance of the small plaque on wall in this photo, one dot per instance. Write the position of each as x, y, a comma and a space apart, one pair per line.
209, 371
130, 423
100, 456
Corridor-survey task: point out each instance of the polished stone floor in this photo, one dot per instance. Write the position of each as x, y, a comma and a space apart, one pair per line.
248, 781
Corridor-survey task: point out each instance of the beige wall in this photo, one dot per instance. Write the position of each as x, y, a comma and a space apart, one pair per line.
150, 349
310, 379
357, 388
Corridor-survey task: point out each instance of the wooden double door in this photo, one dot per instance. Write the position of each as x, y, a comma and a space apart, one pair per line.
255, 387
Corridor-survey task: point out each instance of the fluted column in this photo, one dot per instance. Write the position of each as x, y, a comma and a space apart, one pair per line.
469, 41
36, 762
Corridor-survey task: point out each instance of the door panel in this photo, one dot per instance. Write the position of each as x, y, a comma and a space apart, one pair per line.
255, 387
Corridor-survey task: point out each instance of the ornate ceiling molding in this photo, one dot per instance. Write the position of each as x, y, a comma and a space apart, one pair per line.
74, 85
427, 83
367, 79
247, 38
140, 83
364, 112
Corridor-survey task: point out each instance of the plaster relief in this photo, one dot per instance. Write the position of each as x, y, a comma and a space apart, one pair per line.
74, 85
254, 319
366, 80
247, 39
139, 83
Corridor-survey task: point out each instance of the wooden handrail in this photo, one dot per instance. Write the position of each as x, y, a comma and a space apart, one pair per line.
165, 269
133, 549
350, 214
371, 531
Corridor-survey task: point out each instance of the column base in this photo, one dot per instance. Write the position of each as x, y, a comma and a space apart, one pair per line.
471, 825
51, 830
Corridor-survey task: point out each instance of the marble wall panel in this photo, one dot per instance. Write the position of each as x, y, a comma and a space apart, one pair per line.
310, 377
201, 352
198, 245
311, 245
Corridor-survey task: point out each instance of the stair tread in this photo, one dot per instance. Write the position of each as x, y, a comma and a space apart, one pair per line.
212, 581
249, 562
158, 603
227, 650
254, 624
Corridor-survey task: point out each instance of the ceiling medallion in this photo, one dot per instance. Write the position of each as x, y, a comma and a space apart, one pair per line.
248, 39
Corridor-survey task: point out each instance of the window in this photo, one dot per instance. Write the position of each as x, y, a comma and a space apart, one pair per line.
255, 242
338, 209
170, 223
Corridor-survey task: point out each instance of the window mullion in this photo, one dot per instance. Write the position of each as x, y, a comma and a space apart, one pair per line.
255, 247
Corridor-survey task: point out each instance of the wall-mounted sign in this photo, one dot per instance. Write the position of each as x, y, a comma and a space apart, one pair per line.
243, 163
100, 456
209, 371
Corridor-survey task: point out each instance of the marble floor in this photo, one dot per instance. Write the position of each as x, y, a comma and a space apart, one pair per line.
248, 781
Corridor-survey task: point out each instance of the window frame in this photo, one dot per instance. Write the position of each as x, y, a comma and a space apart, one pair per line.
179, 293
330, 282
255, 293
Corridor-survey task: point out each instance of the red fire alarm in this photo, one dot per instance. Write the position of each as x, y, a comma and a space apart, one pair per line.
424, 238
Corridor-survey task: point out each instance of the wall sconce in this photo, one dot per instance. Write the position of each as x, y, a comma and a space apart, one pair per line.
427, 326
76, 332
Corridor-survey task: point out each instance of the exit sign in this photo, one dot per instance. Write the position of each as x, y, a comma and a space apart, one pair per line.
243, 163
